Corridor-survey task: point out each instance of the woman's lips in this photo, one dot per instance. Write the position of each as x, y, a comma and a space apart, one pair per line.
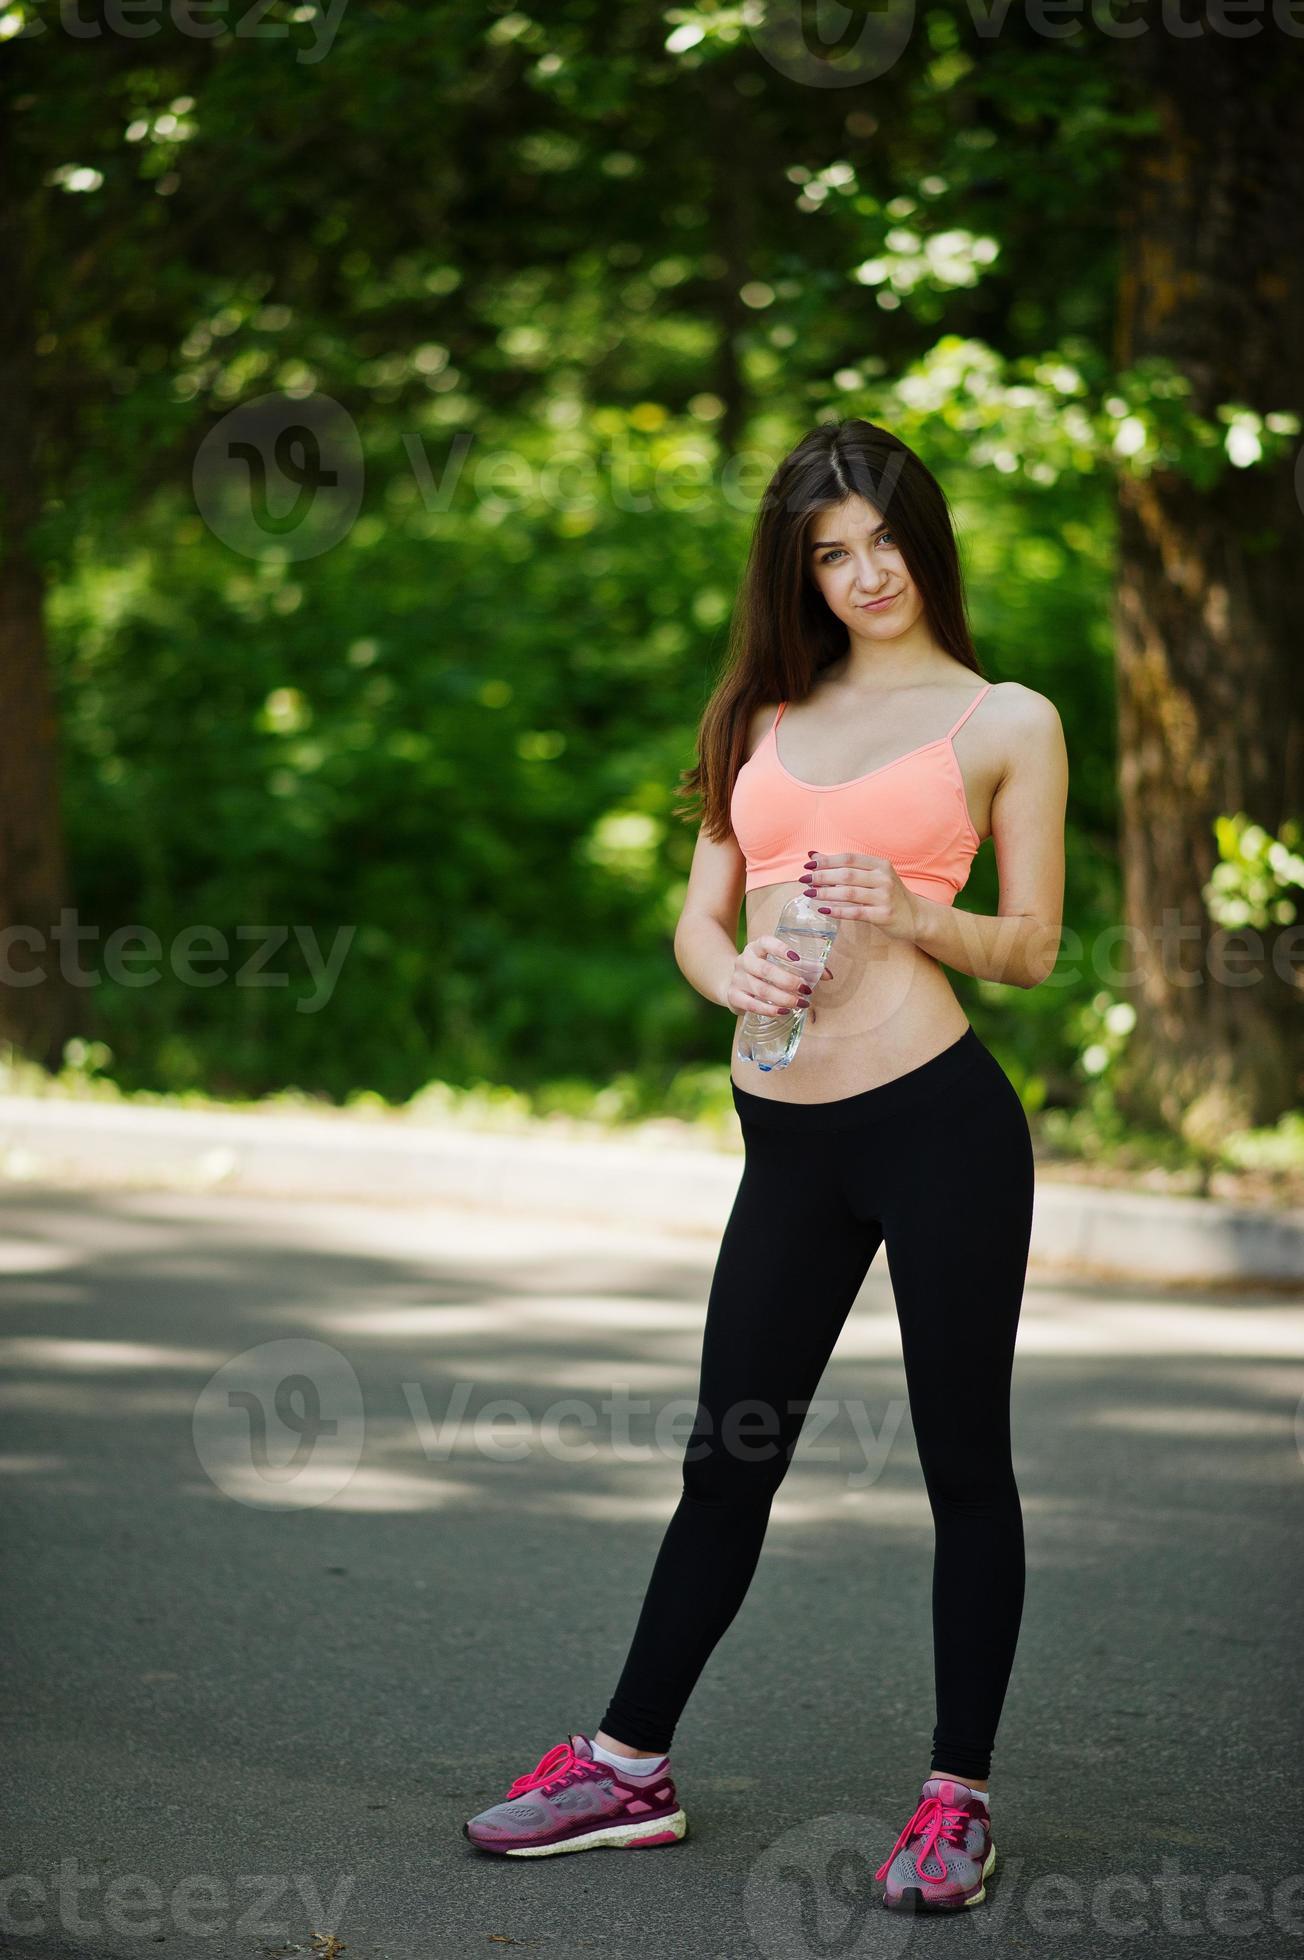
877, 605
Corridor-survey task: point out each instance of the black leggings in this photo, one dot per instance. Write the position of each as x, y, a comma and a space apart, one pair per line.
937, 1163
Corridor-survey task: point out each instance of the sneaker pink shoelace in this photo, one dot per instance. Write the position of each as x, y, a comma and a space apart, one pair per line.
555, 1767
933, 1820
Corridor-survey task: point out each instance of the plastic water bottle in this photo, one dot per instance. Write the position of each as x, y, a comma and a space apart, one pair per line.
770, 1040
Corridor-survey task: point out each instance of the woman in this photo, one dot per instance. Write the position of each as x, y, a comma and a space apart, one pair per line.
893, 1123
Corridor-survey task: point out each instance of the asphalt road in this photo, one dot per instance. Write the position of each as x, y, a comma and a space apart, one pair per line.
284, 1601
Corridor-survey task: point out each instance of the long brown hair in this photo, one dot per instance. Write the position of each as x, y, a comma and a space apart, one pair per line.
782, 633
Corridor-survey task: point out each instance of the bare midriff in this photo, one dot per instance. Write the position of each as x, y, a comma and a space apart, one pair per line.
887, 1008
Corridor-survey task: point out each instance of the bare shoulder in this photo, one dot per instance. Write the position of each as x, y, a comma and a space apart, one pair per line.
1028, 723
1022, 710
1030, 738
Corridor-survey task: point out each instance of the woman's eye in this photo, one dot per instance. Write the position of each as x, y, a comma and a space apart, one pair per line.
884, 537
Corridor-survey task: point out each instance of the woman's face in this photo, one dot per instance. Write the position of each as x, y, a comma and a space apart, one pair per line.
856, 563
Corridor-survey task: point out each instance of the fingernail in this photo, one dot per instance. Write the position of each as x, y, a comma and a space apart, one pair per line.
803, 989
792, 955
822, 908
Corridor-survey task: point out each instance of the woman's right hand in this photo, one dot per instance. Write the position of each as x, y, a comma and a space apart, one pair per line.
761, 986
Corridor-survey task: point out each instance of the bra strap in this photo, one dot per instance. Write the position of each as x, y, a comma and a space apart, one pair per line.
985, 689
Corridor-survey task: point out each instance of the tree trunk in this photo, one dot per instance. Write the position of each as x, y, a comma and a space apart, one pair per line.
1211, 583
36, 1016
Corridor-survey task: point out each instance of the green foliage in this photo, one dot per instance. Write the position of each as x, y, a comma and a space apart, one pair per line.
618, 253
1255, 874
449, 747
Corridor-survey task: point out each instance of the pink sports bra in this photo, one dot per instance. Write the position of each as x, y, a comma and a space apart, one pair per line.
912, 811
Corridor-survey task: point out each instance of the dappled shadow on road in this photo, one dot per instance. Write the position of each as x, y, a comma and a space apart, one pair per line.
549, 1374
514, 1366
475, 1531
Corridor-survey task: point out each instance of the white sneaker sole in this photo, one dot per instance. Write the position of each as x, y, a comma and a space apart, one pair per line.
617, 1837
987, 1871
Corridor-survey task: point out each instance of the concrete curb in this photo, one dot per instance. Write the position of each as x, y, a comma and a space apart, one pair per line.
1077, 1228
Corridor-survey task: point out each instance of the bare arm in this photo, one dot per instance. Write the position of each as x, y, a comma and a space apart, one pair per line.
705, 949
705, 939
1019, 944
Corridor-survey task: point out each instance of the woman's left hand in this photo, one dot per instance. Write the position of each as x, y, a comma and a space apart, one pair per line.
855, 885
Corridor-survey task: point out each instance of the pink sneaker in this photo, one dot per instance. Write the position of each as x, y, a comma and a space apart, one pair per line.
945, 1854
569, 1802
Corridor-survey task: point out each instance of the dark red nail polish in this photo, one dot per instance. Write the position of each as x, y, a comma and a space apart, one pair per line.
822, 908
792, 955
